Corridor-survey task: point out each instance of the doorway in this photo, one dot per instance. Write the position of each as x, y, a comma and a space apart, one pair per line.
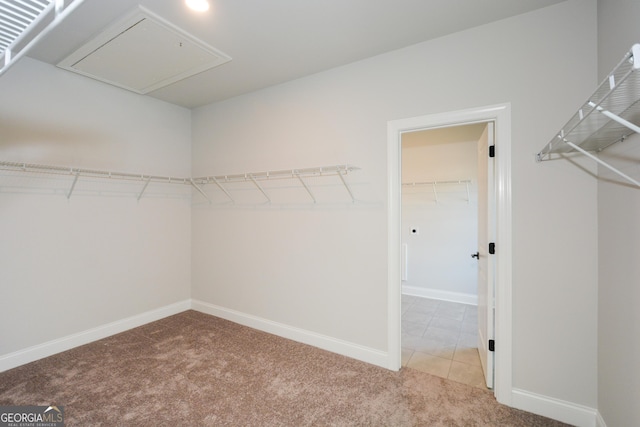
439, 236
501, 116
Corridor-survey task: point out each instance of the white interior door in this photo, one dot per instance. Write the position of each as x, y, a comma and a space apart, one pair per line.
486, 261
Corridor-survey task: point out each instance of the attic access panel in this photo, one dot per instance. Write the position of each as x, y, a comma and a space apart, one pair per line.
142, 53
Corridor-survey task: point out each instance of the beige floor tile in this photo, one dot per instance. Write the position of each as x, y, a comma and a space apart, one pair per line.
467, 374
417, 317
446, 323
440, 334
468, 340
451, 304
470, 326
471, 312
406, 355
451, 312
429, 304
430, 364
435, 347
418, 308
414, 328
467, 355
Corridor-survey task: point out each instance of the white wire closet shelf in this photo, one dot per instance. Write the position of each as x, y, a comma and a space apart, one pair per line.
609, 116
25, 22
220, 180
298, 174
434, 185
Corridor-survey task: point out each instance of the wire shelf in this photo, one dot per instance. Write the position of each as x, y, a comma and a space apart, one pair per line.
610, 115
220, 180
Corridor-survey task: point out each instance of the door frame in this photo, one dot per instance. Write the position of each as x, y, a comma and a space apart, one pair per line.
501, 115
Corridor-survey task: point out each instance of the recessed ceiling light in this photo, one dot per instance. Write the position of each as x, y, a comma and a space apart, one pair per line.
198, 5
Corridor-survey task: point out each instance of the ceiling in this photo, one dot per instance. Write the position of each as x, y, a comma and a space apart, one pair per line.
281, 40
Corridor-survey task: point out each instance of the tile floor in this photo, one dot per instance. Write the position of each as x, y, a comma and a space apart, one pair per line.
440, 337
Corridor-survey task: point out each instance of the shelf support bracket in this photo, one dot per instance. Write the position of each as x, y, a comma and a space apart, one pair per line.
253, 179
435, 192
344, 182
144, 188
199, 190
602, 162
221, 187
73, 185
616, 118
468, 194
304, 184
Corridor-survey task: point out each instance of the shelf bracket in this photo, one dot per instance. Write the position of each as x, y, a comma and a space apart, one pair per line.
468, 194
224, 190
616, 118
144, 188
73, 185
252, 178
304, 184
602, 162
344, 182
435, 192
199, 190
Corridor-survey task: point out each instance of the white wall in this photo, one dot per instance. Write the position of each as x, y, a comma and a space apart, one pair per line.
439, 263
619, 241
70, 265
323, 268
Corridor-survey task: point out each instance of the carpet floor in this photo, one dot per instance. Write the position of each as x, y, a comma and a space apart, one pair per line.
193, 369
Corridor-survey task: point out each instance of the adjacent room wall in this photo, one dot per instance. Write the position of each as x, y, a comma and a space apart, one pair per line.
101, 256
438, 260
619, 241
322, 268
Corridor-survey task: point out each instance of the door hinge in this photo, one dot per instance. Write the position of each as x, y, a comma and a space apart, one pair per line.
492, 151
492, 248
492, 345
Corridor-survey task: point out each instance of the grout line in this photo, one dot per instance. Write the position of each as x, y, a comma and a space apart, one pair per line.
407, 306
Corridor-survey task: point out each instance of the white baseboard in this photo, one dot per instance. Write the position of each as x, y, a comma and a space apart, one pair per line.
600, 421
334, 345
567, 412
49, 348
440, 295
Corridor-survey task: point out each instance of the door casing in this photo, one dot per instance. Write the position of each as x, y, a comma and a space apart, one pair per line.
501, 115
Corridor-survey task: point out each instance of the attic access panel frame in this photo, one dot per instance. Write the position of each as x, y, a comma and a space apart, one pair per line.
143, 52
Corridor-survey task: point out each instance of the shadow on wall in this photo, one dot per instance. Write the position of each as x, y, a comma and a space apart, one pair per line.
45, 140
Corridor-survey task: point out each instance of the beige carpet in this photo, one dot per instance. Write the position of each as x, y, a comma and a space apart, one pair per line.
192, 369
